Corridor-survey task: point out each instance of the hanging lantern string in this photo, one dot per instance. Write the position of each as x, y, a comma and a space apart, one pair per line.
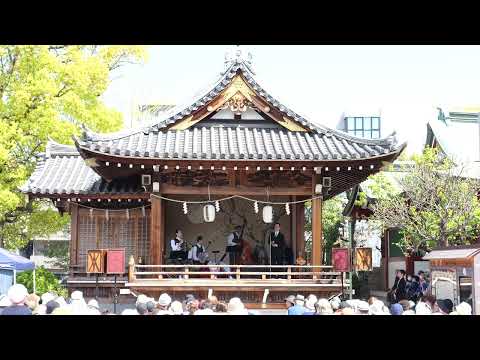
205, 202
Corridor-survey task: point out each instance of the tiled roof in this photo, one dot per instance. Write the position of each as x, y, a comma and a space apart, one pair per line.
153, 141
238, 143
451, 254
61, 170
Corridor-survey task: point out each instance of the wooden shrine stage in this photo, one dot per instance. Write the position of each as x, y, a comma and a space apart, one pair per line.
251, 283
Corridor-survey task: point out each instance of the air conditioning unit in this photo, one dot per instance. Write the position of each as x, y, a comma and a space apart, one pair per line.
327, 182
146, 180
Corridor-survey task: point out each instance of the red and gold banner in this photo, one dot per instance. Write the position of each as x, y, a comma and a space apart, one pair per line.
341, 259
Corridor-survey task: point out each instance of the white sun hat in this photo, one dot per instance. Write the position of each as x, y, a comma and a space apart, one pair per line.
164, 300
464, 309
17, 293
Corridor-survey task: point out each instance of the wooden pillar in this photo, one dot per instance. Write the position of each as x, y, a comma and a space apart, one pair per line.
317, 232
74, 235
300, 230
317, 241
157, 234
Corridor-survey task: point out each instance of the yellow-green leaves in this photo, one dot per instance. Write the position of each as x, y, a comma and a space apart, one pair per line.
49, 92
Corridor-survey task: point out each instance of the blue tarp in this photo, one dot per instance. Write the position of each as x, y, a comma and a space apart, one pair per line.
19, 263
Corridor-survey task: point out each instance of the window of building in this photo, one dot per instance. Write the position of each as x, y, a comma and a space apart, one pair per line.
365, 126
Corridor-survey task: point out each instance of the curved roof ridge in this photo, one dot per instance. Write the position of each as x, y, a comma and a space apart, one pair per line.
181, 111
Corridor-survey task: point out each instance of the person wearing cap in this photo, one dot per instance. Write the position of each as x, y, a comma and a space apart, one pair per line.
289, 302
17, 295
396, 309
150, 307
51, 306
310, 305
141, 308
298, 308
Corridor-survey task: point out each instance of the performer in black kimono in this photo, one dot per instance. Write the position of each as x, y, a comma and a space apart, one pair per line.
277, 245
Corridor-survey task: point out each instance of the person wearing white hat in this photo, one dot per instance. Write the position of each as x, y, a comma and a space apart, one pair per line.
163, 304
335, 303
362, 308
310, 305
236, 307
463, 309
378, 308
17, 295
176, 308
48, 296
142, 299
423, 308
78, 306
94, 308
324, 307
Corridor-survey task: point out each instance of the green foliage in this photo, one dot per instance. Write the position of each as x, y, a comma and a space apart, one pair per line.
48, 92
331, 219
437, 207
45, 282
61, 252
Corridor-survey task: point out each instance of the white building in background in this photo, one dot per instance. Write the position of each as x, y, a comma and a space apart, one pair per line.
40, 247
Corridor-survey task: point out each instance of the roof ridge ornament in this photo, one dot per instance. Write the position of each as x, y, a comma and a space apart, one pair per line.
237, 56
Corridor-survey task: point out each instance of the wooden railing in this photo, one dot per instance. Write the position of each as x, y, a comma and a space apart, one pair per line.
290, 273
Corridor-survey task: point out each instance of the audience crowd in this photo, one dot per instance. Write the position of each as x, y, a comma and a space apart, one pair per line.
19, 302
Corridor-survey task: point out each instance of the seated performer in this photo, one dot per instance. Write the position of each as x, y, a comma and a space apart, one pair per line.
197, 251
233, 245
177, 246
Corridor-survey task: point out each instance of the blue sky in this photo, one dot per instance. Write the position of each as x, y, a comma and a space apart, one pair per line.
404, 84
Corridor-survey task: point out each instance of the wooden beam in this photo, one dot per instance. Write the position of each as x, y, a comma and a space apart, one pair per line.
228, 190
156, 232
317, 242
74, 235
300, 229
231, 178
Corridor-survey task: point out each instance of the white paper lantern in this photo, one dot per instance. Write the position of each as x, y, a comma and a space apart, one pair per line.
209, 213
267, 214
